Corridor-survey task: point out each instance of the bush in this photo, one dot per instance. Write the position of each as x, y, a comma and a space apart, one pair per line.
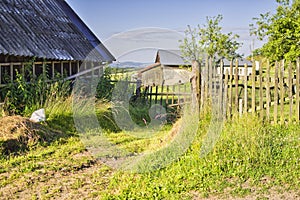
26, 94
105, 86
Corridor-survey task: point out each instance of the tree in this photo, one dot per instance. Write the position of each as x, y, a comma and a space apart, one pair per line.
282, 31
209, 40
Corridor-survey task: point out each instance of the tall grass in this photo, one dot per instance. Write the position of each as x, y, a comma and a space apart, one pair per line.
28, 92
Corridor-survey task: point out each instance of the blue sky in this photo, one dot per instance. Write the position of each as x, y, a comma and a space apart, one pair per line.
122, 25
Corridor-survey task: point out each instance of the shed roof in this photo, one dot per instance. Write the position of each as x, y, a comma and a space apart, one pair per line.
47, 29
170, 57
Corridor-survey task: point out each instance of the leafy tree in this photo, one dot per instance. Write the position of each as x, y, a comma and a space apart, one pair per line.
209, 40
282, 30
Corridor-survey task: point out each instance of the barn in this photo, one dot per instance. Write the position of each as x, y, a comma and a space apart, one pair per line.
50, 36
169, 69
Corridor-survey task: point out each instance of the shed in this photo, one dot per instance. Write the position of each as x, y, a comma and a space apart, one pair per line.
169, 69
50, 33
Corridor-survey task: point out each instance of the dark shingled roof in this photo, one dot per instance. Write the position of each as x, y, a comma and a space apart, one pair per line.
47, 29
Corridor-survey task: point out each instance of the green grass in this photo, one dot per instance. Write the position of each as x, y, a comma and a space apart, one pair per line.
249, 157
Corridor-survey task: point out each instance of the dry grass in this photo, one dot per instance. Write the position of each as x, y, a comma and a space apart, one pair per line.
18, 133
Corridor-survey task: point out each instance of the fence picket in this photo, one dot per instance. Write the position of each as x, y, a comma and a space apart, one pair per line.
261, 99
268, 94
290, 87
253, 95
226, 107
298, 91
236, 80
230, 88
276, 93
246, 89
282, 91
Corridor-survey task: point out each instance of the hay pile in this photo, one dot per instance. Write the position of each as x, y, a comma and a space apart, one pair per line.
18, 134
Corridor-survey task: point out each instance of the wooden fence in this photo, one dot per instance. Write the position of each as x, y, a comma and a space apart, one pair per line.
273, 92
168, 96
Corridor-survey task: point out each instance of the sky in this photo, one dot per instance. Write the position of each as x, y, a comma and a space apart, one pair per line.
133, 29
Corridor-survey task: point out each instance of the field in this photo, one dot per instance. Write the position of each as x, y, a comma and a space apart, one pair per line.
251, 160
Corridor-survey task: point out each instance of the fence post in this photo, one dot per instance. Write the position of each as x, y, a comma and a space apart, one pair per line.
268, 95
226, 107
246, 88
261, 99
240, 106
221, 91
276, 93
290, 92
236, 80
253, 95
195, 81
282, 91
298, 91
230, 88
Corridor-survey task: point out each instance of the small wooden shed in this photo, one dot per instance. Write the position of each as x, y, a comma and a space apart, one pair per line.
169, 69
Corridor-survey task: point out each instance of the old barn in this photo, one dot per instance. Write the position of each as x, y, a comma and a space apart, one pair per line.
169, 69
50, 35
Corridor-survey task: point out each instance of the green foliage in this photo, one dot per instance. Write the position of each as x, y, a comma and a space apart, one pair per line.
105, 86
282, 30
209, 40
28, 92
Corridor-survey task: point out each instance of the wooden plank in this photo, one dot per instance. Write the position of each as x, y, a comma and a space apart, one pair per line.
167, 96
150, 91
173, 88
78, 66
230, 88
161, 96
70, 68
194, 84
202, 88
206, 81
240, 108
290, 80
276, 93
268, 94
253, 95
261, 98
53, 70
156, 92
11, 67
210, 72
298, 91
62, 69
226, 107
236, 80
0, 74
282, 92
246, 88
221, 95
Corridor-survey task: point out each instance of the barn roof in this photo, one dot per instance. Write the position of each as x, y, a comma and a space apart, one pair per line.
47, 29
241, 62
170, 57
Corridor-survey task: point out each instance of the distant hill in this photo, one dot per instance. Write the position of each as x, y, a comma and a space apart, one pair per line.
129, 64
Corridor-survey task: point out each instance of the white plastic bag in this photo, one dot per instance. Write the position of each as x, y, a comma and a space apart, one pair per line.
38, 116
